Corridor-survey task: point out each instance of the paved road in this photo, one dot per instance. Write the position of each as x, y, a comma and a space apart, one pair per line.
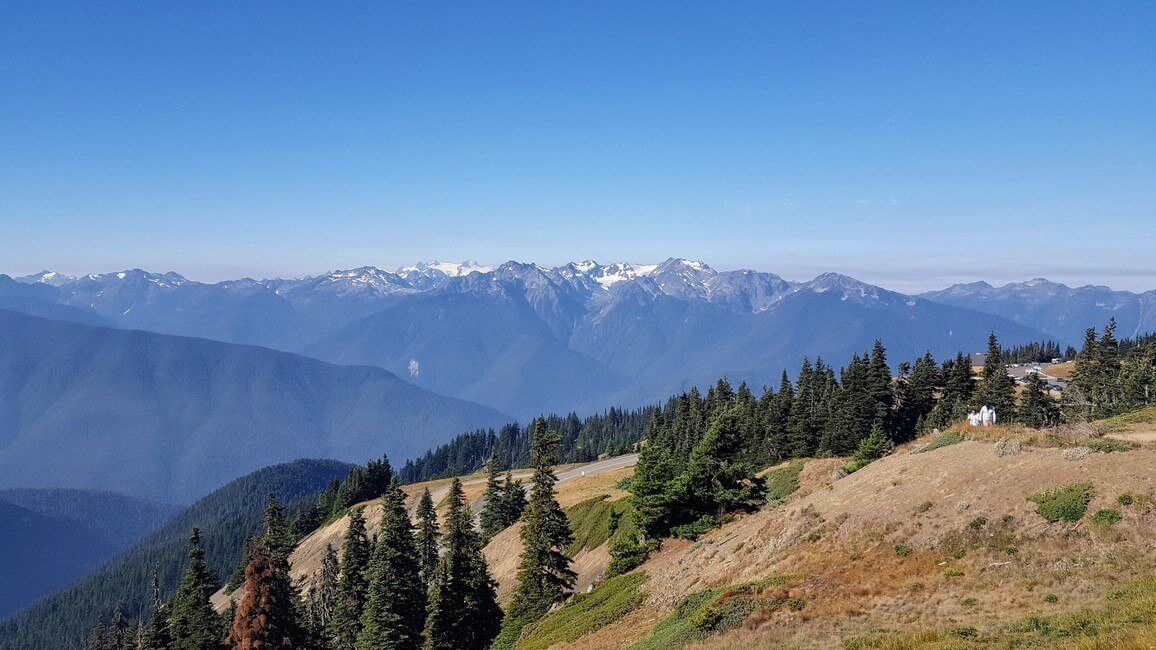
587, 469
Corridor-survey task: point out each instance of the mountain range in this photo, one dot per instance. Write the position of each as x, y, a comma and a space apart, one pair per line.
524, 339
1063, 312
168, 418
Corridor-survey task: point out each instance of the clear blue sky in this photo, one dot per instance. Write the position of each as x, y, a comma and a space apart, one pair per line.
908, 144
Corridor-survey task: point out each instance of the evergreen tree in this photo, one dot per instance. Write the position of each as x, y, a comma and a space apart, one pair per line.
997, 389
237, 578
544, 574
717, 480
427, 537
279, 535
463, 608
1037, 408
651, 489
352, 588
492, 517
267, 615
193, 624
513, 500
155, 635
323, 598
395, 607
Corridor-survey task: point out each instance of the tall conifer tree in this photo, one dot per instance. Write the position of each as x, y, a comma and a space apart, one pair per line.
193, 624
267, 615
997, 389
544, 573
463, 610
427, 536
355, 555
395, 606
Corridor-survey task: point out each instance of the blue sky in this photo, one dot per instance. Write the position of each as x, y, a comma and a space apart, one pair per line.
908, 144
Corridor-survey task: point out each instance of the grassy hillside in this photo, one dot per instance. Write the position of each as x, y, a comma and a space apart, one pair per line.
1039, 541
170, 418
225, 517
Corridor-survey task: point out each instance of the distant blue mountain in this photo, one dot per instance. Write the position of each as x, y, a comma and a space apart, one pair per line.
1061, 311
168, 418
526, 339
44, 300
51, 537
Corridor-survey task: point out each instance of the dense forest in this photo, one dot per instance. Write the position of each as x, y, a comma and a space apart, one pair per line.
612, 432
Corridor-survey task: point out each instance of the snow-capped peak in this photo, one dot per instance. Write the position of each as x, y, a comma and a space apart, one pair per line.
46, 277
449, 269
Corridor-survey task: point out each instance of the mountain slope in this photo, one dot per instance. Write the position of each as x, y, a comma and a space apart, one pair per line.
527, 339
168, 417
487, 348
51, 537
1063, 312
43, 300
224, 517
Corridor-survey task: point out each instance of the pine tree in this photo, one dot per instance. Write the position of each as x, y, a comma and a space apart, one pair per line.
651, 488
1037, 408
278, 531
492, 517
323, 598
717, 480
513, 500
427, 537
544, 574
193, 624
267, 615
463, 608
155, 635
395, 607
355, 555
997, 389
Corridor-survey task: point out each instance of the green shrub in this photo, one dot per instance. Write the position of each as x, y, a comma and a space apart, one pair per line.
1126, 499
1051, 598
1068, 503
902, 551
1109, 445
782, 482
585, 613
1105, 517
969, 602
697, 528
628, 552
941, 441
711, 611
964, 632
596, 521
977, 523
625, 483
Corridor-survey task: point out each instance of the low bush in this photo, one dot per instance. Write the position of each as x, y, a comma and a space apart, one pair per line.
1105, 517
1109, 445
941, 441
783, 481
1068, 503
902, 551
711, 611
586, 613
